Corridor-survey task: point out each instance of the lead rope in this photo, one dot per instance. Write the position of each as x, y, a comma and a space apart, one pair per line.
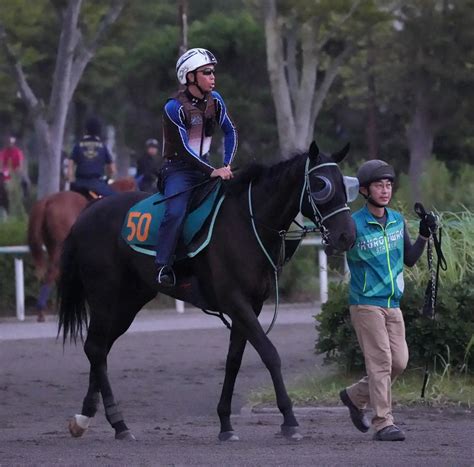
431, 293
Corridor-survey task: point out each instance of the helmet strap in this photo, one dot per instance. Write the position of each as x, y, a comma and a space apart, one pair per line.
195, 83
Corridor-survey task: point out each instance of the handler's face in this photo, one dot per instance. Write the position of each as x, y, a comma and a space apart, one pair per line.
381, 191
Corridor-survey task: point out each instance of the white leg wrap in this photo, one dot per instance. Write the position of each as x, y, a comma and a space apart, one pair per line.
78, 425
82, 421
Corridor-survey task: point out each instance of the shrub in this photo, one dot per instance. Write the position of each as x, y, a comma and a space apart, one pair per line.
13, 232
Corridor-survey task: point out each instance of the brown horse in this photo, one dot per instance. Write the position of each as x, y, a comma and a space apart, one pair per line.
49, 223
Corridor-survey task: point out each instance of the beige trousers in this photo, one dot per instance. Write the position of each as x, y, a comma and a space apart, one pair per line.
381, 335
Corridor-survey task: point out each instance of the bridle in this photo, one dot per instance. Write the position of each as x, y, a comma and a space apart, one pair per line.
319, 219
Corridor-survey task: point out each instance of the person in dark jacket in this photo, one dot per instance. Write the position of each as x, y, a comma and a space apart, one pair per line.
89, 160
148, 167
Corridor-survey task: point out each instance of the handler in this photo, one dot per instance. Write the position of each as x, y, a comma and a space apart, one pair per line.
376, 262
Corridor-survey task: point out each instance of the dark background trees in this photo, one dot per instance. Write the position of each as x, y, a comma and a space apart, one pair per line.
394, 78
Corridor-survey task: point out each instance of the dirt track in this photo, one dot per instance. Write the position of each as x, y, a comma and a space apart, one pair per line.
169, 382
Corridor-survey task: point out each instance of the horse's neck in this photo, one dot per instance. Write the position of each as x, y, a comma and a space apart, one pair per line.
277, 204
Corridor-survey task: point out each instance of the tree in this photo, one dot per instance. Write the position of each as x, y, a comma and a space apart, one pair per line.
48, 110
426, 77
306, 46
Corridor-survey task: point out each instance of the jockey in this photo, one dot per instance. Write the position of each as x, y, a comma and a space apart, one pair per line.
88, 160
189, 121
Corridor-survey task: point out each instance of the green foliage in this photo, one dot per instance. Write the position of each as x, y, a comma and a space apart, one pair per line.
15, 194
444, 389
13, 232
458, 248
298, 281
336, 336
444, 188
446, 340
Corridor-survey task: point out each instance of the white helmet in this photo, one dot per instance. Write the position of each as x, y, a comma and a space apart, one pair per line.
192, 60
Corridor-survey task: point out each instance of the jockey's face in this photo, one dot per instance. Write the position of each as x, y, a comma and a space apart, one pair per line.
205, 77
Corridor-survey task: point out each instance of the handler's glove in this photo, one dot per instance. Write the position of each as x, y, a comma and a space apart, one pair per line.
428, 225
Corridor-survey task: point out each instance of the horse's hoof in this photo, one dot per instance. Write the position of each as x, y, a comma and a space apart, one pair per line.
228, 436
76, 430
291, 432
125, 436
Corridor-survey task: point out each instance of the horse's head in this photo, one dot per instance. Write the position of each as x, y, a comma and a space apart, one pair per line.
325, 196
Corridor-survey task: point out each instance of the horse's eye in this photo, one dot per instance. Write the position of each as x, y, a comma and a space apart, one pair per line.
318, 184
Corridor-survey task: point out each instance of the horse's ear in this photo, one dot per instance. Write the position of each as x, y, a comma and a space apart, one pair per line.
313, 151
339, 155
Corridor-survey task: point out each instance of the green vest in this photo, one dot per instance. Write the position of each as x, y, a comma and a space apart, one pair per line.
376, 260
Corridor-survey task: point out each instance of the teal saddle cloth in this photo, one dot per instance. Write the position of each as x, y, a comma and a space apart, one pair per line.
140, 228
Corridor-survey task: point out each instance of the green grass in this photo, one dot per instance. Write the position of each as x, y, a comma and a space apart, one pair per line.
458, 248
447, 389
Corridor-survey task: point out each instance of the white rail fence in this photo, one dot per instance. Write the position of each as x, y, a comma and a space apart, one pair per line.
19, 250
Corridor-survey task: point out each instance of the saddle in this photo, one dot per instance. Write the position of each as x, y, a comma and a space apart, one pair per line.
140, 228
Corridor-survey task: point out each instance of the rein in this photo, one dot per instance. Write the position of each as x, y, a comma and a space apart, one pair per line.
300, 234
431, 292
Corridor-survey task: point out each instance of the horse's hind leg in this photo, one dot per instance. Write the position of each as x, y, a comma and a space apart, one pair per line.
98, 343
79, 424
233, 362
101, 336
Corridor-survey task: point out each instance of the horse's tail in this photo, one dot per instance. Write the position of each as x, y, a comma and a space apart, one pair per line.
71, 299
35, 235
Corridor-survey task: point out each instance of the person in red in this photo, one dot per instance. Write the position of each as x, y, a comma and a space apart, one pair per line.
12, 158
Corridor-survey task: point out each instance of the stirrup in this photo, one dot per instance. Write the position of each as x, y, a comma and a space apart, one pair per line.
164, 272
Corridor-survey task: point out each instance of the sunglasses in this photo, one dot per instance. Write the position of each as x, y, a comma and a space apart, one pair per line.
208, 71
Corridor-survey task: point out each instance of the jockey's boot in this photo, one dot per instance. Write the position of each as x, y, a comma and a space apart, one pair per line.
166, 276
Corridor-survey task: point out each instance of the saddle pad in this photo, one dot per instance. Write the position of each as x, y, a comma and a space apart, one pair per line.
140, 228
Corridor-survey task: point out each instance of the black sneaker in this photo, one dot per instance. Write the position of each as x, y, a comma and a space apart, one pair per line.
166, 277
390, 433
358, 417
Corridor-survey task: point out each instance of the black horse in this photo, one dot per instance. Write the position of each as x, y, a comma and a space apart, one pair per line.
232, 275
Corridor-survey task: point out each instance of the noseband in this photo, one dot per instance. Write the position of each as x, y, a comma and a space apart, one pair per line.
318, 216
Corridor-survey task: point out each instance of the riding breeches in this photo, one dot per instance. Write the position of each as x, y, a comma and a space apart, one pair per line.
177, 176
96, 185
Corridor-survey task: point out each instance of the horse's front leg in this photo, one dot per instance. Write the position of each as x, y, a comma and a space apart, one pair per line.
253, 332
232, 366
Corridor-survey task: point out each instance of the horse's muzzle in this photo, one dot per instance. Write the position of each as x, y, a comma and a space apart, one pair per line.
340, 243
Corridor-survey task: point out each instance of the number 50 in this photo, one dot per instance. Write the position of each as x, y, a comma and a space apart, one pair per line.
139, 225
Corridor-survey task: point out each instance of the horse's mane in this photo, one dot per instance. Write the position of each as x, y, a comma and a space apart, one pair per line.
257, 173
